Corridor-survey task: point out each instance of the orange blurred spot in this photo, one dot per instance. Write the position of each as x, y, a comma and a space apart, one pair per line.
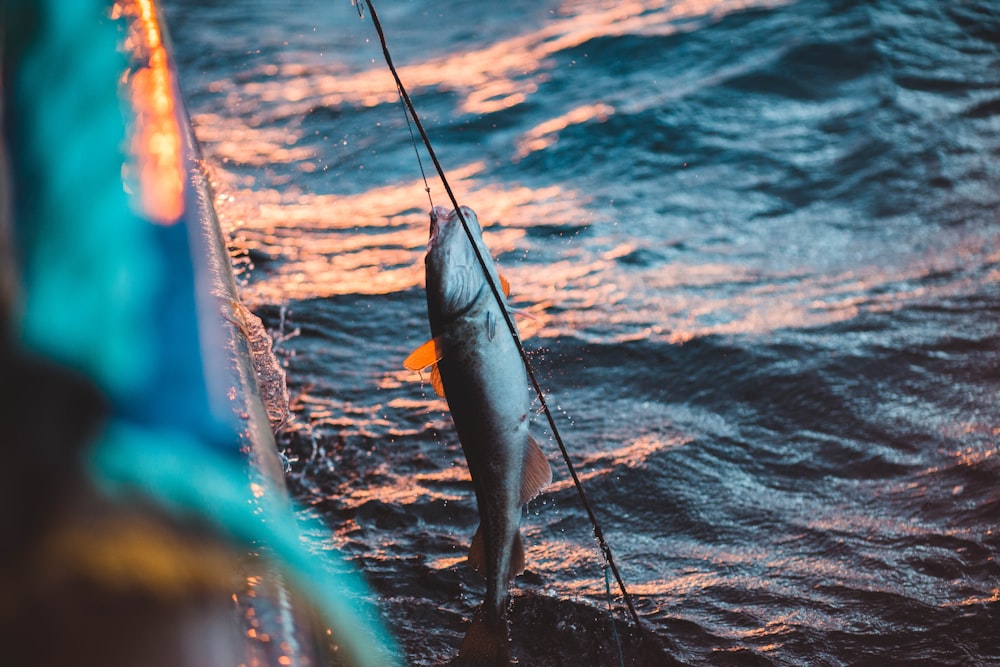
155, 143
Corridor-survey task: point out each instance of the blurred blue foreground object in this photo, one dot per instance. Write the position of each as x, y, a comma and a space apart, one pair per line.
143, 514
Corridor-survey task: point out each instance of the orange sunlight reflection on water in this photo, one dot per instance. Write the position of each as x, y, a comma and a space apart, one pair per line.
369, 243
500, 75
631, 455
374, 242
680, 301
323, 245
409, 489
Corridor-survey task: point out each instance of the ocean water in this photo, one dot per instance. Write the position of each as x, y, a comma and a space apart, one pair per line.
762, 247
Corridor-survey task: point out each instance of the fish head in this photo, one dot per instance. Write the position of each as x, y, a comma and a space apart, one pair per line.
454, 275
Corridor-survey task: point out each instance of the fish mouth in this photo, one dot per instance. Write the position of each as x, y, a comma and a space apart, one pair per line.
440, 216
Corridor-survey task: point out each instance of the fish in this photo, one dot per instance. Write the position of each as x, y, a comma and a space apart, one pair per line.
477, 367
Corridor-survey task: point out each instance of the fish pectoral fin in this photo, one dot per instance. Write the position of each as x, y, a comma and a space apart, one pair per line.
477, 552
436, 382
426, 355
491, 325
536, 473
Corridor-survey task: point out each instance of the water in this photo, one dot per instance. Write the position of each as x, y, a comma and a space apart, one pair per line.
762, 246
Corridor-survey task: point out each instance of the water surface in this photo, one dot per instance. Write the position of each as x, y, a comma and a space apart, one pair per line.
761, 243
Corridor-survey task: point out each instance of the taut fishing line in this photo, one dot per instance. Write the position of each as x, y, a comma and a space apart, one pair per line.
413, 140
412, 113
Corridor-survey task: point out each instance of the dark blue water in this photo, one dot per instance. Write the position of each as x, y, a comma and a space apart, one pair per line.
761, 241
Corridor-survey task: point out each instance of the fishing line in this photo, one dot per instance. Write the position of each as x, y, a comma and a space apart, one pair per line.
359, 5
413, 140
598, 533
614, 628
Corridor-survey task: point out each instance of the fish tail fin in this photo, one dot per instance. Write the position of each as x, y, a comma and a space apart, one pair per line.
486, 642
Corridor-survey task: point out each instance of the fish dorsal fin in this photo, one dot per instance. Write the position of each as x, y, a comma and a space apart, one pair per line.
426, 355
504, 284
536, 473
477, 554
436, 381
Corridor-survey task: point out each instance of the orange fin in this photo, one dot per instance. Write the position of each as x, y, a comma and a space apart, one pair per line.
426, 355
536, 473
504, 285
436, 381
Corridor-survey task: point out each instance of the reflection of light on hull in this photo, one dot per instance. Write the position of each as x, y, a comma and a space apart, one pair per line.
155, 144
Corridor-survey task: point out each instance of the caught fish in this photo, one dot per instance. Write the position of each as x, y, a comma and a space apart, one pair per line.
477, 367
